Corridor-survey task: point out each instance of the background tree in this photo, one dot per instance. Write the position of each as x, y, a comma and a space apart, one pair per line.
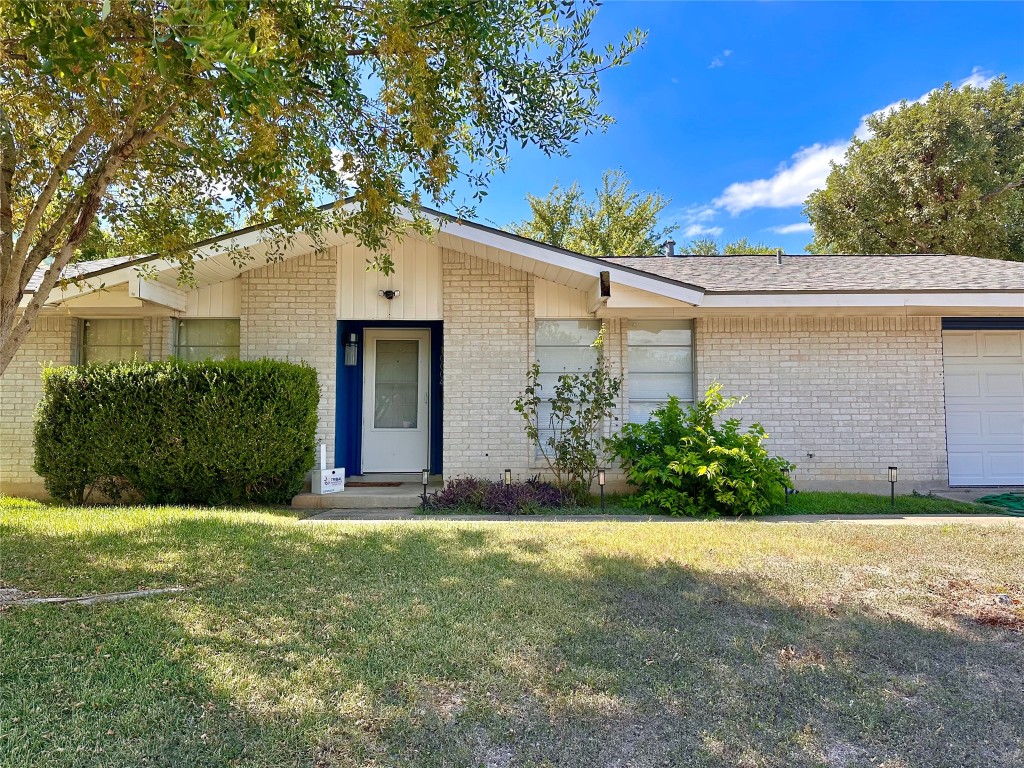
617, 221
163, 121
943, 176
708, 246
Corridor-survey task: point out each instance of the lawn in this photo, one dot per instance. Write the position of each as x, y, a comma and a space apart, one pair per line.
440, 643
831, 503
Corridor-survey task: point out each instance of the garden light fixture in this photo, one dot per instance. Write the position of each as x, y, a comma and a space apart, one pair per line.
892, 486
600, 483
508, 478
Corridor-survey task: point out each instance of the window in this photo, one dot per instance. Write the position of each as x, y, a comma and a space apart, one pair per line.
207, 340
563, 346
105, 341
660, 364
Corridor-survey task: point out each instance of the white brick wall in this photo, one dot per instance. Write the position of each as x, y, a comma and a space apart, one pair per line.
158, 339
288, 313
52, 340
859, 393
488, 347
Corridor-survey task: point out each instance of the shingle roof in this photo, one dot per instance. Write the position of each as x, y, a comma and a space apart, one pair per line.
759, 274
81, 269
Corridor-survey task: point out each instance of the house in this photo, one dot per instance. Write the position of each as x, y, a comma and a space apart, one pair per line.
852, 363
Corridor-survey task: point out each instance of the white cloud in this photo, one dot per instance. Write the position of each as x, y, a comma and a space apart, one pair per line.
792, 229
695, 230
978, 78
719, 61
790, 185
694, 214
808, 169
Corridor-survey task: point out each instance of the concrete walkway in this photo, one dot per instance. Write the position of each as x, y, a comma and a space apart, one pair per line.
379, 515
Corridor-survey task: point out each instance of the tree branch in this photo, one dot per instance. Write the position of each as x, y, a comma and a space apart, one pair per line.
60, 168
83, 209
8, 154
1003, 189
87, 208
443, 16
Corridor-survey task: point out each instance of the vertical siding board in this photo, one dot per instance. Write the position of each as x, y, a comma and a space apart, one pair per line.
417, 277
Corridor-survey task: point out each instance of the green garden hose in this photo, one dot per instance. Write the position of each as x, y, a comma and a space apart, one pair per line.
1012, 502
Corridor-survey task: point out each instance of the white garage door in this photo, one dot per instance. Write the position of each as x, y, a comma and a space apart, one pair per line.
984, 374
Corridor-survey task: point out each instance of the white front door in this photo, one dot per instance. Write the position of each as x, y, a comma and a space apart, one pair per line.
984, 374
396, 400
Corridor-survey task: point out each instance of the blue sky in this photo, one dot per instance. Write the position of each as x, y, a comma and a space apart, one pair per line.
733, 109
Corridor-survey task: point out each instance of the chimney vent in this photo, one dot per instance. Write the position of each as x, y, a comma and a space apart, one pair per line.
670, 247
778, 257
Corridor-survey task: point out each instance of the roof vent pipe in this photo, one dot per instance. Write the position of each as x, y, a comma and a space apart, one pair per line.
670, 247
778, 256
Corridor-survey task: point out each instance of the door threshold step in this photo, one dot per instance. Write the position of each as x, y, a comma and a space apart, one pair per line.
406, 496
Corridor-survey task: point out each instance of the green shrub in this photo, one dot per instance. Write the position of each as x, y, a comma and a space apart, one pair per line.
566, 427
683, 462
173, 432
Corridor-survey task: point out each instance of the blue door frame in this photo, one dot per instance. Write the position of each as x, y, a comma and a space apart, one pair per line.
348, 434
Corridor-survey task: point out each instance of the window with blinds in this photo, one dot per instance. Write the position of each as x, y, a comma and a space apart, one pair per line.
660, 364
108, 341
563, 346
214, 339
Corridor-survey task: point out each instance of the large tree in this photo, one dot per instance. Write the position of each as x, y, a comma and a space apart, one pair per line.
141, 125
708, 246
942, 176
616, 221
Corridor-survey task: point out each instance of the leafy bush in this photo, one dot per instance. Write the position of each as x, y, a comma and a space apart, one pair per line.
172, 432
470, 494
683, 462
579, 405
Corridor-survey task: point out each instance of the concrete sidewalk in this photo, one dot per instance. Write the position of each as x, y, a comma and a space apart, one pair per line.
381, 515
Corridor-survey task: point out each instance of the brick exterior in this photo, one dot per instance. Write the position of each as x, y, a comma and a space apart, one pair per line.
488, 346
288, 313
158, 339
860, 393
54, 339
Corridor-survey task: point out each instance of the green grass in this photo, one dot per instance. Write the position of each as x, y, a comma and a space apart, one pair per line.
440, 643
832, 503
803, 503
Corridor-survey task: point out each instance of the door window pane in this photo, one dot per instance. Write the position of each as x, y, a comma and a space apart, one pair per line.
396, 384
660, 364
107, 341
216, 339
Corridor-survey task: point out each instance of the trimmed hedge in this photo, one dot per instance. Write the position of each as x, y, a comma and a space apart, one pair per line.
174, 432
